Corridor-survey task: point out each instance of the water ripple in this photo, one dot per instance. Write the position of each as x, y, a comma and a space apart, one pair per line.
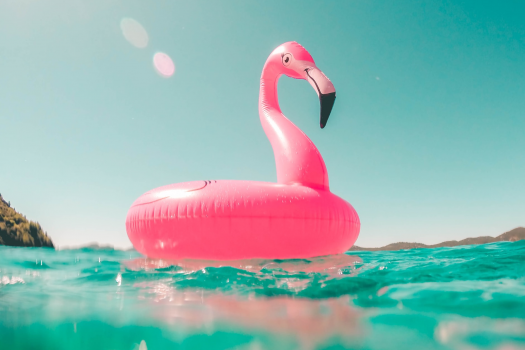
465, 297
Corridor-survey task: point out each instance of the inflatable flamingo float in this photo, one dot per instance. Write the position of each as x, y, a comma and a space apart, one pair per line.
297, 217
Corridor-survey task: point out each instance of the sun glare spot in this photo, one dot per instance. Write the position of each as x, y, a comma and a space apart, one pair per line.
278, 50
163, 64
134, 32
176, 193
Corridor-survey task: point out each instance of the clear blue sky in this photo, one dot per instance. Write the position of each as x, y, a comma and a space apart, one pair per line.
426, 139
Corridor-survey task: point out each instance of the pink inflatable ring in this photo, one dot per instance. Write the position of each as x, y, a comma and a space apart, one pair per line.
297, 217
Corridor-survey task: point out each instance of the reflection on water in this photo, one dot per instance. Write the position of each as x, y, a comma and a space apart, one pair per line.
311, 321
331, 265
448, 298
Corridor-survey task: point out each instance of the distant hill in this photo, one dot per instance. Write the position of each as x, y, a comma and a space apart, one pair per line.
516, 234
16, 230
92, 245
96, 246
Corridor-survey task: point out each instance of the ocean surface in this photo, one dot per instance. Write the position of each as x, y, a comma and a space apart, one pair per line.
468, 297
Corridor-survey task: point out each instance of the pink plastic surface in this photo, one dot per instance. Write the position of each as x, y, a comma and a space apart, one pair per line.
298, 217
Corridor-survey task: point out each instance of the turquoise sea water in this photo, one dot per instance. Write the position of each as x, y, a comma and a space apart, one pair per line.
469, 297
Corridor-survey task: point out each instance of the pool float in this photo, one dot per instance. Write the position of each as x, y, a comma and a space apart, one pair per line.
297, 217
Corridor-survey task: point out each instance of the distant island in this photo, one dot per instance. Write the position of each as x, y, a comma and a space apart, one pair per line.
516, 234
92, 246
16, 230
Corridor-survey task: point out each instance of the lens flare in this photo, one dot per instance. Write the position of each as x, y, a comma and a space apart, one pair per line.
163, 64
134, 32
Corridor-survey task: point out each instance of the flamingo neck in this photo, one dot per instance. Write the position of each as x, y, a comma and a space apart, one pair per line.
297, 159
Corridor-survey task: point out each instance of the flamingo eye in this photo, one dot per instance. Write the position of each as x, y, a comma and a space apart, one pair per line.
287, 59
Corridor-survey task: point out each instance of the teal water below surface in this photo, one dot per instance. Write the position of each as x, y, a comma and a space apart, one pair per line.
468, 297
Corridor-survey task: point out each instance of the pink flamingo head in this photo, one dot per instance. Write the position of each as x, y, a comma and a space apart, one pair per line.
292, 59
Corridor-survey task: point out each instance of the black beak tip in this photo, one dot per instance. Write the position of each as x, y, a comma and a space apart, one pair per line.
327, 102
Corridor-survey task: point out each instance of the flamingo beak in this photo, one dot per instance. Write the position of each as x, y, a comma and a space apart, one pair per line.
327, 102
325, 90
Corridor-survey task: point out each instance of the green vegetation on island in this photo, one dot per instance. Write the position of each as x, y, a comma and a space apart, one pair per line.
16, 230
